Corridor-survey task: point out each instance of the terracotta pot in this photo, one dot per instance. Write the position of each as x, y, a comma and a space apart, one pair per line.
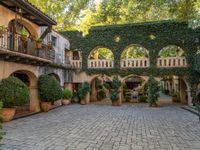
39, 45
7, 114
45, 106
82, 102
65, 102
116, 103
175, 99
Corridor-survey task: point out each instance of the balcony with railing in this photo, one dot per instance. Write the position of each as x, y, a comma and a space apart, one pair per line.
135, 63
172, 62
14, 44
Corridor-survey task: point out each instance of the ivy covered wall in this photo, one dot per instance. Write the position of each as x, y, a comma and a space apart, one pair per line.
164, 33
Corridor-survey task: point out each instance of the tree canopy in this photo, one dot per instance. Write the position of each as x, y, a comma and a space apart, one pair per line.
82, 14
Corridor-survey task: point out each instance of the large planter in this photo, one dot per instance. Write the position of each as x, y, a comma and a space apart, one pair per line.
116, 103
45, 106
7, 114
83, 102
175, 99
39, 45
65, 102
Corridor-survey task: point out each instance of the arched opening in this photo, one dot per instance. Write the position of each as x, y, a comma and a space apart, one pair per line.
171, 56
100, 86
134, 56
22, 37
30, 80
133, 88
101, 57
173, 90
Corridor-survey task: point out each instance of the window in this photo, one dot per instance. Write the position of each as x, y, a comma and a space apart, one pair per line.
53, 40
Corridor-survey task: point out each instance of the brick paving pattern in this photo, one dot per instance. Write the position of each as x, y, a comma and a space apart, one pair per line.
103, 127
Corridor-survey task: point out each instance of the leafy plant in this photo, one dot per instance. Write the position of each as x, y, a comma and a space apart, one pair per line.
24, 32
114, 95
67, 94
197, 106
101, 94
3, 28
39, 40
13, 92
143, 99
49, 88
153, 91
1, 125
83, 89
116, 83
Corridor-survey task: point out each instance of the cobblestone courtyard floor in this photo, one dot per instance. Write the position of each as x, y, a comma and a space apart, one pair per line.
103, 127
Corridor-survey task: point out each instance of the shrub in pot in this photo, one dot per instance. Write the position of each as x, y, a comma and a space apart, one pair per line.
153, 91
197, 106
67, 95
101, 94
143, 99
114, 96
49, 91
116, 84
176, 97
82, 92
13, 92
39, 43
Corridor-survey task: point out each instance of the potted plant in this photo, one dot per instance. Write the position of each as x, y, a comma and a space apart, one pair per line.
176, 97
82, 92
114, 95
13, 92
143, 99
2, 30
49, 91
197, 106
24, 34
153, 91
49, 45
67, 95
39, 43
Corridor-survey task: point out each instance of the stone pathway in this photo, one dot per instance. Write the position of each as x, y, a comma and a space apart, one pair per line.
103, 127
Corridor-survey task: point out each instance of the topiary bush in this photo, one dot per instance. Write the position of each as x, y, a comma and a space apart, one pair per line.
114, 95
13, 92
67, 94
153, 91
83, 89
49, 88
116, 83
101, 94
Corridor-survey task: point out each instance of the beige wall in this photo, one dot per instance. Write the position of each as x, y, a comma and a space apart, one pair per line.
7, 68
7, 15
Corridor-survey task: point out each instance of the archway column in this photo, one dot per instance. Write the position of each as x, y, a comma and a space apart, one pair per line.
93, 97
34, 99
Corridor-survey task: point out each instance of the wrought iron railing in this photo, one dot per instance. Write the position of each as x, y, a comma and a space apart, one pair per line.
22, 44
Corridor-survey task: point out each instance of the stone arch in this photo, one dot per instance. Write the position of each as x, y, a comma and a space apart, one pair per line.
100, 47
33, 90
136, 47
26, 24
177, 50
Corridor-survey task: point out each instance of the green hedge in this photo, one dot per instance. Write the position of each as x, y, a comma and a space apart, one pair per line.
49, 88
13, 92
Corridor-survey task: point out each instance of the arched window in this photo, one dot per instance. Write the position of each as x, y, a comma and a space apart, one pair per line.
171, 51
134, 51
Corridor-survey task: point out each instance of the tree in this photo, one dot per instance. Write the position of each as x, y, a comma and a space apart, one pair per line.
82, 14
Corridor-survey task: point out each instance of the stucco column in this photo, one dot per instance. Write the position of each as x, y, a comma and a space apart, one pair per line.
120, 96
34, 99
87, 98
93, 92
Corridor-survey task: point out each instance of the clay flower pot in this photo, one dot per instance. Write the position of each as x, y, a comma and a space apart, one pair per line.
82, 102
65, 102
39, 45
7, 114
45, 106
